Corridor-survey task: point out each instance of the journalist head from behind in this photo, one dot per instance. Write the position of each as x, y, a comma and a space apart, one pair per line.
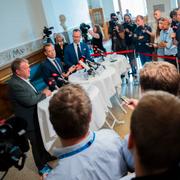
84, 154
52, 68
76, 50
25, 97
154, 137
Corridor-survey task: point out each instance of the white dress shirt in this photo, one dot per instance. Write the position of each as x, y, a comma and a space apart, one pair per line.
75, 47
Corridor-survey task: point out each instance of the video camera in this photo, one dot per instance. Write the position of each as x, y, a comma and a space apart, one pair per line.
47, 31
84, 30
13, 143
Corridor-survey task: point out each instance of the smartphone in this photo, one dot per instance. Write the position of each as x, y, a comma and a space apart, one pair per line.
125, 99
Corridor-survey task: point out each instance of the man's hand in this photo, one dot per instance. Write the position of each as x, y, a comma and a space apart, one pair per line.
141, 37
162, 44
47, 92
132, 103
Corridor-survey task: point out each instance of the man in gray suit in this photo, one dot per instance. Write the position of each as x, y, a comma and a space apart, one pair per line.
24, 98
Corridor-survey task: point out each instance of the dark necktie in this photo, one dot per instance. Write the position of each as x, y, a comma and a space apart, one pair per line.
58, 66
79, 51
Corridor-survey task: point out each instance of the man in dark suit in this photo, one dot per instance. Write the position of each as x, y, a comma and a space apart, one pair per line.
74, 51
24, 98
53, 65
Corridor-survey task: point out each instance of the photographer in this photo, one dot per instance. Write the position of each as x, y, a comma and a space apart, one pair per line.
97, 35
142, 39
118, 39
129, 27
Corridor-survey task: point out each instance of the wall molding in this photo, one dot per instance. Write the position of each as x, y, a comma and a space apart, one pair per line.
7, 56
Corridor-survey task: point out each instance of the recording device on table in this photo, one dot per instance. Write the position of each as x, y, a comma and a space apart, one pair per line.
125, 99
56, 81
47, 32
84, 30
99, 52
13, 144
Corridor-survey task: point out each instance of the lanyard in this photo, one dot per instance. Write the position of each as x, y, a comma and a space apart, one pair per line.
76, 151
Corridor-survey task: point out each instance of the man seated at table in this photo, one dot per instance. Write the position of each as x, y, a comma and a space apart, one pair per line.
156, 146
52, 68
74, 51
24, 99
84, 154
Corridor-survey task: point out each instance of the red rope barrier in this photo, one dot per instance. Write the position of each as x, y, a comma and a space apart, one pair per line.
131, 51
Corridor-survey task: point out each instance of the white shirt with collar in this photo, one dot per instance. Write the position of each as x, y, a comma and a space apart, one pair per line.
54, 64
27, 81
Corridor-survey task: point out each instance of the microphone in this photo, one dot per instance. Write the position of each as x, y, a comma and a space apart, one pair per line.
52, 84
96, 63
60, 80
97, 50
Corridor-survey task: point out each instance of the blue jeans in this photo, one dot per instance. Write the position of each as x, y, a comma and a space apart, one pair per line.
145, 59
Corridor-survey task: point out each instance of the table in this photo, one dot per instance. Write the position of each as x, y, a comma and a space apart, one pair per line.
106, 82
99, 110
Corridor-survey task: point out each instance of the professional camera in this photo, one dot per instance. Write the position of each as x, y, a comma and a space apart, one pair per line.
84, 30
47, 31
13, 143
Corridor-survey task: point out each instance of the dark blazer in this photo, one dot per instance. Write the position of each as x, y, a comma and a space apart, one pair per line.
70, 57
24, 100
59, 51
178, 39
48, 69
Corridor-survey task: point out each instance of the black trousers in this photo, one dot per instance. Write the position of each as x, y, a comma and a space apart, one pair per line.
40, 155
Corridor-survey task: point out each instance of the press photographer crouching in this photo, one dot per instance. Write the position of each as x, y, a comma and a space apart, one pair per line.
13, 144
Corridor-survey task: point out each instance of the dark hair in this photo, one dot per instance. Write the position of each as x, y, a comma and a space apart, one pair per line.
160, 76
173, 13
16, 64
140, 16
70, 111
155, 124
76, 30
112, 14
47, 45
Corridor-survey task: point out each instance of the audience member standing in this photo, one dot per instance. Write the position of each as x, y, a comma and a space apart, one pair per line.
129, 28
60, 45
24, 98
142, 38
156, 146
178, 34
84, 154
74, 51
97, 35
166, 42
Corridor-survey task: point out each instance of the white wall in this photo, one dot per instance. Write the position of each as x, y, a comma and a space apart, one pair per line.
75, 11
22, 21
168, 4
108, 8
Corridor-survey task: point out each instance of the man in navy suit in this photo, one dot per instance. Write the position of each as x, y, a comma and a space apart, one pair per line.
74, 51
53, 66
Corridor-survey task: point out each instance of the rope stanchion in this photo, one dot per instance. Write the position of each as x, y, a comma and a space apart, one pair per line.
145, 54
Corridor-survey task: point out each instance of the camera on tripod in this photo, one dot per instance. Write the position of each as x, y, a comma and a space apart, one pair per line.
47, 31
13, 143
84, 30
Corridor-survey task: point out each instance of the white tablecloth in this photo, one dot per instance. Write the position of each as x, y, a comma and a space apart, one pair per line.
106, 82
99, 110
